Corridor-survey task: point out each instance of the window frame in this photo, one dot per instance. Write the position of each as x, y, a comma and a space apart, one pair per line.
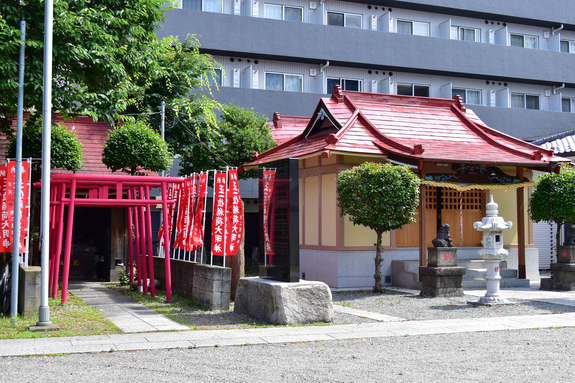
283, 8
570, 100
412, 22
465, 100
460, 34
413, 89
523, 36
525, 95
220, 78
202, 6
341, 79
283, 81
571, 44
345, 15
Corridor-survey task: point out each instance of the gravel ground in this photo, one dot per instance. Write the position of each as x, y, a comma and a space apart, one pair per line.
414, 307
392, 303
543, 355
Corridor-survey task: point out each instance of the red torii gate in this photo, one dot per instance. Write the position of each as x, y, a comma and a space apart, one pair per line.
98, 187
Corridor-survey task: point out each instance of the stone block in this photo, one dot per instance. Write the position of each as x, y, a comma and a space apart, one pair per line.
566, 254
441, 256
29, 290
284, 302
442, 281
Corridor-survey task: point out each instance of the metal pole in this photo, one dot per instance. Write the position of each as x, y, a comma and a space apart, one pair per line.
44, 311
18, 186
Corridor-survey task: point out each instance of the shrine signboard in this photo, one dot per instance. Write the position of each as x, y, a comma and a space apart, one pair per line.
279, 220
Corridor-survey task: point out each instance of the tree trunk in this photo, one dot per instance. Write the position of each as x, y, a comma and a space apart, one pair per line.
378, 260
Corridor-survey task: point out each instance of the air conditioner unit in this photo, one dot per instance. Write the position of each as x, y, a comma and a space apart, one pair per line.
237, 7
373, 22
255, 79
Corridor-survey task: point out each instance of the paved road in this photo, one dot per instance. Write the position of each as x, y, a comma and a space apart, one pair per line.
536, 355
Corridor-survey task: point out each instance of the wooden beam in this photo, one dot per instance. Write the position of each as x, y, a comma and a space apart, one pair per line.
422, 239
521, 227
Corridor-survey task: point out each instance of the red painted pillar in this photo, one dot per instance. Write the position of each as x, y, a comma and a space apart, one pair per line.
137, 239
143, 245
59, 235
150, 247
67, 249
166, 244
130, 243
53, 214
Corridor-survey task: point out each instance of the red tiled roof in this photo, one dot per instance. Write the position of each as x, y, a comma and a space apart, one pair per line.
284, 128
414, 128
92, 136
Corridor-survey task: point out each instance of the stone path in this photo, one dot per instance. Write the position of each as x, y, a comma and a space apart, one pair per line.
122, 311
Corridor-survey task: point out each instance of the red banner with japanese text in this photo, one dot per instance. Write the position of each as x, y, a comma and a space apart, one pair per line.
181, 220
219, 214
235, 210
191, 212
7, 191
198, 229
167, 225
269, 180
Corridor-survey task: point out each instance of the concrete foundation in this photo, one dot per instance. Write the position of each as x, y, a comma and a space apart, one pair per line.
207, 285
442, 281
29, 290
284, 303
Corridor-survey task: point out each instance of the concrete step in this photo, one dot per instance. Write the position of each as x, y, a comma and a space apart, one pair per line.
474, 284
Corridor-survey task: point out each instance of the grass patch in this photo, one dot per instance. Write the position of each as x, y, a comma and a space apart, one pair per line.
175, 310
75, 318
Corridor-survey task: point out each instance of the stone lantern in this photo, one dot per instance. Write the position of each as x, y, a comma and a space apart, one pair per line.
493, 252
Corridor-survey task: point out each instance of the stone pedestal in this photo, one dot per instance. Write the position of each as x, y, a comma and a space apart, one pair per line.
563, 278
29, 290
283, 302
563, 271
441, 256
442, 277
442, 281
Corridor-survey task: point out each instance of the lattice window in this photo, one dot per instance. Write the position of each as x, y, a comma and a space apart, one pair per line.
472, 199
431, 198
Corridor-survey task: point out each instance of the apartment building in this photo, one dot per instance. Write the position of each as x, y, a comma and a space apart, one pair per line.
511, 61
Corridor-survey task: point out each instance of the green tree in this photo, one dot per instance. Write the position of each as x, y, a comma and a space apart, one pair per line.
107, 60
66, 150
381, 197
239, 133
553, 199
134, 147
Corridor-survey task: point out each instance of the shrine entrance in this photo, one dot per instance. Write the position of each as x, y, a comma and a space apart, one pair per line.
457, 208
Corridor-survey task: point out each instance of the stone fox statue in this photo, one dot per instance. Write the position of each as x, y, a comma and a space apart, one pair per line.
443, 238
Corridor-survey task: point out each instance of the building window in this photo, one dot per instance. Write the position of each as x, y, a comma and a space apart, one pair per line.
283, 12
566, 105
215, 6
216, 78
524, 101
413, 90
413, 28
466, 34
341, 19
287, 82
344, 83
567, 46
468, 96
531, 42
